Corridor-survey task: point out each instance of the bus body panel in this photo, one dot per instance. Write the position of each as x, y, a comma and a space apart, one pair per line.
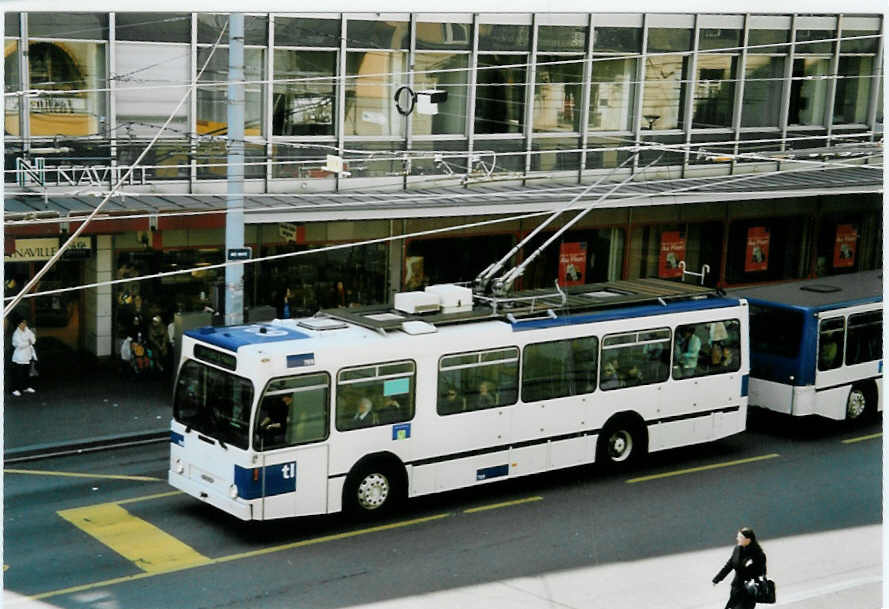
780, 397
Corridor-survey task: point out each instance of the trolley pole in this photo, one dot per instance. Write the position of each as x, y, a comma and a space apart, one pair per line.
234, 219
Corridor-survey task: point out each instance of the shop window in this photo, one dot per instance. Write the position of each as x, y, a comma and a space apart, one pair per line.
755, 251
655, 251
373, 78
455, 36
763, 88
759, 41
481, 380
378, 34
557, 93
445, 72
561, 38
852, 100
452, 259
714, 97
808, 91
67, 66
617, 40
666, 78
153, 27
305, 106
212, 107
500, 94
612, 94
302, 32
145, 88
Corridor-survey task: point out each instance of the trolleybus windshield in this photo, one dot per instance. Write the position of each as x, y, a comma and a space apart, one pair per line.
214, 403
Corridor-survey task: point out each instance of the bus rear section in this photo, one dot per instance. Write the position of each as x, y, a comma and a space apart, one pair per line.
816, 347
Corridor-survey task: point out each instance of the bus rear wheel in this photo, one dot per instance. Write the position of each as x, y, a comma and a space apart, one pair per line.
858, 405
372, 490
621, 443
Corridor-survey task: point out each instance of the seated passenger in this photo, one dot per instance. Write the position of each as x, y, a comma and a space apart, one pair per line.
391, 411
364, 415
688, 347
486, 398
450, 403
273, 419
610, 379
633, 376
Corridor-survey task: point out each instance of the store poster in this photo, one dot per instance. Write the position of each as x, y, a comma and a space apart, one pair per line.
572, 263
672, 253
844, 246
757, 256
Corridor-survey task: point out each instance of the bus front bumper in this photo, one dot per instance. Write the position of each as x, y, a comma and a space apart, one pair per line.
236, 507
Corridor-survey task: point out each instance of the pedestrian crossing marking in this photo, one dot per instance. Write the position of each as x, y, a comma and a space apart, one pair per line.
151, 549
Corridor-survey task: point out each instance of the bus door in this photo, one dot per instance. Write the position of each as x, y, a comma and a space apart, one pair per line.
292, 425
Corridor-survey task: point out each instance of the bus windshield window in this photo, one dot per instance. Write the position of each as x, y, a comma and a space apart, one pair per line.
775, 331
214, 403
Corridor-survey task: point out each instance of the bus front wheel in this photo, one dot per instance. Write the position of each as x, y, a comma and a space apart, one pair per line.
858, 404
622, 443
372, 490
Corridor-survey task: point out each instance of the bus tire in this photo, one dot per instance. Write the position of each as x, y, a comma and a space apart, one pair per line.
622, 443
861, 403
374, 488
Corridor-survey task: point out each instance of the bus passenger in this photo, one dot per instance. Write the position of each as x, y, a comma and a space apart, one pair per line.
610, 379
633, 376
364, 416
486, 397
688, 346
273, 419
451, 402
391, 411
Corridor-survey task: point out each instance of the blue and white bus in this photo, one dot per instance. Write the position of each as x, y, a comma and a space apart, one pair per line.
816, 346
356, 409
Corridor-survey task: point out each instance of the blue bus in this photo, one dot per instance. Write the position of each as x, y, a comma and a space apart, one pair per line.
816, 346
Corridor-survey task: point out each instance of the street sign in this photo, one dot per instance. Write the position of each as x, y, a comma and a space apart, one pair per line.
240, 253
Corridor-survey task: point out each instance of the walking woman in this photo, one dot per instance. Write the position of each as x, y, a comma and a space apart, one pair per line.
23, 340
748, 562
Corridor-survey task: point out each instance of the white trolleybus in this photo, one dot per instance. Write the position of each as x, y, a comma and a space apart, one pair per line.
356, 409
816, 346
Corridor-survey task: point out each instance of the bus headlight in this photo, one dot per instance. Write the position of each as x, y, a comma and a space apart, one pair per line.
233, 491
180, 467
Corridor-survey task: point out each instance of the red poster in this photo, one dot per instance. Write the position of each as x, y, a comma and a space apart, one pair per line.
844, 248
572, 263
757, 258
672, 252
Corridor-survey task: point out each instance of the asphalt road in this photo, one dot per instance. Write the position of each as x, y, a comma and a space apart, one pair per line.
652, 537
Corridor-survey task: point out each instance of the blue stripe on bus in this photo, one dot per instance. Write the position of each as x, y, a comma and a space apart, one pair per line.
745, 385
177, 438
233, 337
279, 479
627, 313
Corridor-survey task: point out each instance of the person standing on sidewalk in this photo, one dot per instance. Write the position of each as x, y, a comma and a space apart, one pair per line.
748, 562
24, 353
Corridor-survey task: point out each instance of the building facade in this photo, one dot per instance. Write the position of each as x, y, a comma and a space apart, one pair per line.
749, 143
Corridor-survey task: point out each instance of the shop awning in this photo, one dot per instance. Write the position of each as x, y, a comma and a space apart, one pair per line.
471, 200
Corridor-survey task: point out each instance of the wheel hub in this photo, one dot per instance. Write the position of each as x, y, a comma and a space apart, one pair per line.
373, 491
857, 404
620, 446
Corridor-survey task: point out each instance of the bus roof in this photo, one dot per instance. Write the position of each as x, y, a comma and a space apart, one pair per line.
819, 294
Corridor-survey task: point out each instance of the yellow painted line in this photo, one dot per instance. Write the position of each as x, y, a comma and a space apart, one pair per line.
682, 472
147, 546
494, 506
37, 472
147, 497
224, 559
5, 567
862, 438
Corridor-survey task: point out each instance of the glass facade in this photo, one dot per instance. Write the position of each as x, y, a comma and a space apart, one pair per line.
319, 85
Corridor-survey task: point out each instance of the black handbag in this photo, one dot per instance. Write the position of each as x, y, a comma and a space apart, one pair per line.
761, 590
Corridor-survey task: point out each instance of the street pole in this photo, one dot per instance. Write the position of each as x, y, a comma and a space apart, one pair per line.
234, 219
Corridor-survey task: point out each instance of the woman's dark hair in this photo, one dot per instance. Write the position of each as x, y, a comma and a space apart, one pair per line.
749, 534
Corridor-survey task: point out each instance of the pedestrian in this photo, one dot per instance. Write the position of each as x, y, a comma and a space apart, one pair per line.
748, 562
24, 357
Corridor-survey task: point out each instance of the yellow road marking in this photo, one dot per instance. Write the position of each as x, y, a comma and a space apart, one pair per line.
224, 559
702, 468
5, 567
37, 472
862, 438
147, 546
147, 497
494, 506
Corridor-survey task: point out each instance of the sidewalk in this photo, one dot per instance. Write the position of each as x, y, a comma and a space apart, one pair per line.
82, 402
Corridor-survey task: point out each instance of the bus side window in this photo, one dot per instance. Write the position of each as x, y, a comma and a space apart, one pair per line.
864, 342
830, 343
